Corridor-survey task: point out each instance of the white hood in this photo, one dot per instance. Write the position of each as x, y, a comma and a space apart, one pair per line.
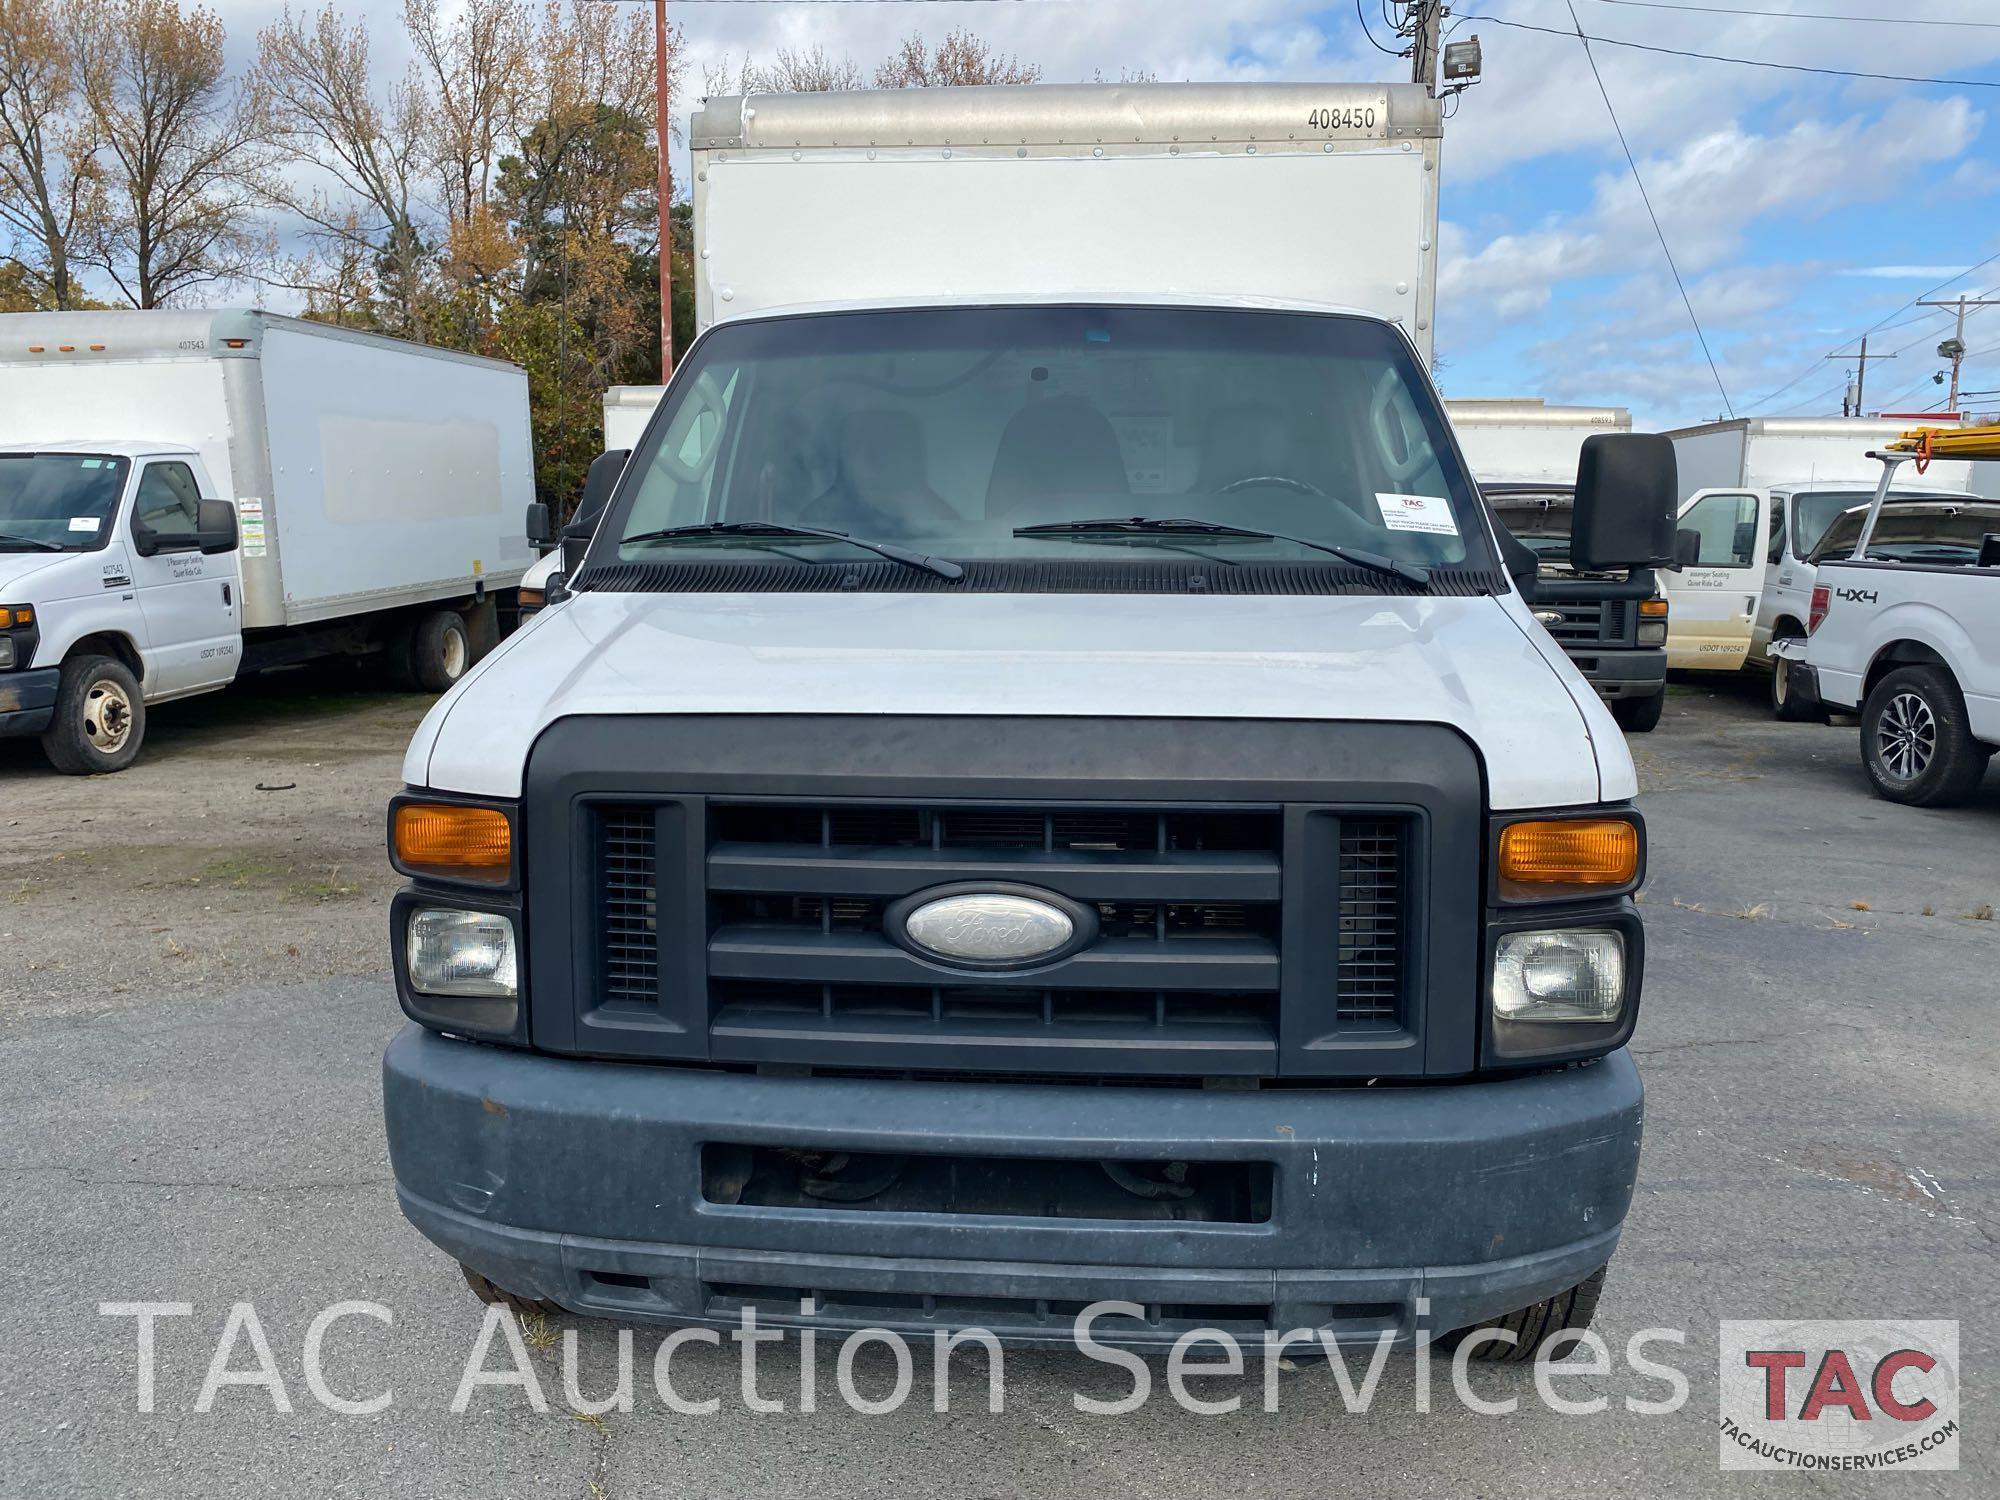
17, 567
1480, 665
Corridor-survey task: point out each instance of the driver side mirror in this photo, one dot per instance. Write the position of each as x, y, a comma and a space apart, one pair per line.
1687, 548
215, 527
598, 483
1627, 490
538, 526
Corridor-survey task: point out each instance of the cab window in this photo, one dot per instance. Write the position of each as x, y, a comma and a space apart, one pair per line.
1727, 527
169, 502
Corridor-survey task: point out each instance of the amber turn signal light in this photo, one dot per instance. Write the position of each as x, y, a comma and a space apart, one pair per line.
1653, 608
454, 842
16, 614
1567, 857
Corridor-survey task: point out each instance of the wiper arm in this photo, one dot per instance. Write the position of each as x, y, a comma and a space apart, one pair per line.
31, 541
1410, 573
941, 566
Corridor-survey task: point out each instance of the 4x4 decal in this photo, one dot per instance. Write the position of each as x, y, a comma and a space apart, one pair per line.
1858, 596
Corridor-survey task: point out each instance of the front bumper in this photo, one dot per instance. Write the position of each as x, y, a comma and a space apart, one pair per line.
581, 1182
1619, 673
28, 701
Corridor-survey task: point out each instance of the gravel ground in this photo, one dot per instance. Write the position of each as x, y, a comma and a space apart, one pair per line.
191, 1024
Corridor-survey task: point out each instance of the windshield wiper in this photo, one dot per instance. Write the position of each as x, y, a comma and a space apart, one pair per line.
1389, 567
942, 567
31, 541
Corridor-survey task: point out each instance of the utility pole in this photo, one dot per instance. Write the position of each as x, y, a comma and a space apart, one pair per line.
663, 122
1953, 348
1422, 28
1860, 380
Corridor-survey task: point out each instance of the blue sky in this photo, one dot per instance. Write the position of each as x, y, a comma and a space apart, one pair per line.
1802, 209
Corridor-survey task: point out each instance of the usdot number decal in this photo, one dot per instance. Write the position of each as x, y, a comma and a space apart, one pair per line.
1361, 118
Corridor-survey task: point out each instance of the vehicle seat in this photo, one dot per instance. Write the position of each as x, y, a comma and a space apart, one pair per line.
1244, 441
1053, 454
883, 487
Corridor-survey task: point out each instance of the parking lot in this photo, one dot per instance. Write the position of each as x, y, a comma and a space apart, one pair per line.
194, 999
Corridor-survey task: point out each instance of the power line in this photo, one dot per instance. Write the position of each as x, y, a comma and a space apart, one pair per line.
1801, 15
1743, 62
1361, 16
1646, 198
1877, 326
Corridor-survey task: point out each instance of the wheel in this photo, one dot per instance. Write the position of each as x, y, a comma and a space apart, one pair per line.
495, 1296
1915, 745
440, 650
1566, 1312
1785, 703
1640, 715
100, 718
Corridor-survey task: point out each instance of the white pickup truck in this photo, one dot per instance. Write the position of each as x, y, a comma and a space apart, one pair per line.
1904, 627
185, 496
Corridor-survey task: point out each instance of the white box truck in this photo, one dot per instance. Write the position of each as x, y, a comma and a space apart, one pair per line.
1523, 453
1757, 493
185, 496
1040, 723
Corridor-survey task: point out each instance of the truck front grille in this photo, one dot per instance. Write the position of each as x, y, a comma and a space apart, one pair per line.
1184, 976
1589, 621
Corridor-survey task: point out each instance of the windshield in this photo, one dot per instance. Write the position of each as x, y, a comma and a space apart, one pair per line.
1540, 522
1815, 510
57, 501
1914, 533
947, 430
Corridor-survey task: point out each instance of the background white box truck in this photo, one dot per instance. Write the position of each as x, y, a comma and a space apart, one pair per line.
372, 500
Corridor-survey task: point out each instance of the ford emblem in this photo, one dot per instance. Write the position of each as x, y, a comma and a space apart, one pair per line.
990, 927
1550, 616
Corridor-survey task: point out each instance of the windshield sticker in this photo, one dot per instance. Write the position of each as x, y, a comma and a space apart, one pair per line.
1429, 514
83, 523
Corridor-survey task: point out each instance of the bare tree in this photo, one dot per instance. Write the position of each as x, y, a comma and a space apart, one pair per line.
797, 70
50, 194
474, 60
314, 79
182, 149
960, 59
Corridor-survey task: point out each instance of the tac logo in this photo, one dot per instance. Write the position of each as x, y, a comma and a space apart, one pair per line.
1839, 1396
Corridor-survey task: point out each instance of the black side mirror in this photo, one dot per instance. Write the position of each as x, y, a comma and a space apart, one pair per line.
1627, 490
541, 531
1687, 548
598, 483
1989, 550
215, 527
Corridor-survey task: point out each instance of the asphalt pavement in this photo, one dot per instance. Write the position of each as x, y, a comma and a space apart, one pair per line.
1818, 1042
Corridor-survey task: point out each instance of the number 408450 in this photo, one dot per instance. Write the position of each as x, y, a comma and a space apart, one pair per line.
1361, 117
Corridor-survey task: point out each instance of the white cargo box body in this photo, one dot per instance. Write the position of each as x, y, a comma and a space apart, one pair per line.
627, 410
1299, 194
367, 472
1524, 441
1761, 453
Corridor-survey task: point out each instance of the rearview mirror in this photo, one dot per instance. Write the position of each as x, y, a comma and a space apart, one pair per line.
539, 528
1627, 489
215, 526
598, 483
1687, 548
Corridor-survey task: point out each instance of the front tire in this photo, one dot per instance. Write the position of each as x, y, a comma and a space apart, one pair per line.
1640, 715
1567, 1312
100, 718
1915, 744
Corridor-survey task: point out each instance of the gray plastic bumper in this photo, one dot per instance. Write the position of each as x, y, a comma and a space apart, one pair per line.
581, 1182
28, 700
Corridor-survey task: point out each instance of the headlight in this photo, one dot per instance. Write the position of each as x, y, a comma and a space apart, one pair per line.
462, 953
1573, 974
6, 653
1652, 632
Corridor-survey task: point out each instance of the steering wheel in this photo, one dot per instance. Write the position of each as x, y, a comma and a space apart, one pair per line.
1394, 431
706, 397
1272, 481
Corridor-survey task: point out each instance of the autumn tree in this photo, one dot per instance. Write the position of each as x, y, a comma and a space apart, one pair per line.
797, 70
182, 149
315, 79
960, 59
474, 59
51, 197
